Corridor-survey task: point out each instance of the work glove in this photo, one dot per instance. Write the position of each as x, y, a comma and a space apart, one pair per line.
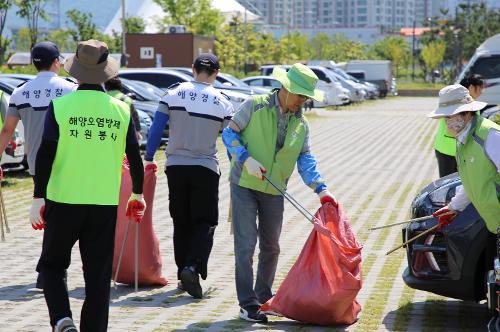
445, 216
36, 213
254, 168
150, 165
136, 207
326, 196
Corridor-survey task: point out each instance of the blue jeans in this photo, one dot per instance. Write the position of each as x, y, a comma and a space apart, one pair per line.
246, 205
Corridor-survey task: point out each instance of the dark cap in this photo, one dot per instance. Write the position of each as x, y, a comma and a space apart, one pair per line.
44, 53
207, 60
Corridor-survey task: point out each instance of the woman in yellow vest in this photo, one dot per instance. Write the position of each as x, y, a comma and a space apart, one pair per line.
77, 184
445, 143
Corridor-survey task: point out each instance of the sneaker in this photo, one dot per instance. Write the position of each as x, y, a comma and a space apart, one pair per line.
65, 325
252, 313
191, 282
39, 281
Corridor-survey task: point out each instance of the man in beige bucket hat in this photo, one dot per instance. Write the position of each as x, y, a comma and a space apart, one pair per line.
77, 188
268, 134
478, 160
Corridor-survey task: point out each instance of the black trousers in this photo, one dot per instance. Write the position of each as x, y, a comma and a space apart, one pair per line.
194, 199
94, 227
447, 164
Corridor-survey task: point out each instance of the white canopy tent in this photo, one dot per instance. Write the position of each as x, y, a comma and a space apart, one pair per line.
150, 11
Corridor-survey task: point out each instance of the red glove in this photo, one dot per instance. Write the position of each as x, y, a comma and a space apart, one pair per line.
445, 216
326, 197
36, 213
136, 207
150, 165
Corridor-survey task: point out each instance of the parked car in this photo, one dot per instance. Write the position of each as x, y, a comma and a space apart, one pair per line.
149, 108
450, 261
165, 78
264, 82
230, 80
486, 62
376, 71
145, 121
359, 77
358, 91
141, 91
335, 94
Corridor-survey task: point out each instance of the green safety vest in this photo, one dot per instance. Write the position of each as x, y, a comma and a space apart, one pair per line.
479, 175
92, 136
445, 143
120, 95
259, 138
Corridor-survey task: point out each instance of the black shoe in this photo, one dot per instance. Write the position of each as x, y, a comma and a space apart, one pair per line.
39, 281
191, 282
65, 325
252, 313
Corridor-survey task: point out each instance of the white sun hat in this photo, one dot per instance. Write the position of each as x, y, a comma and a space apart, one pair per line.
454, 99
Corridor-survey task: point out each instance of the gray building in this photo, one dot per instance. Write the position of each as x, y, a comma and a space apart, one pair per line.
329, 14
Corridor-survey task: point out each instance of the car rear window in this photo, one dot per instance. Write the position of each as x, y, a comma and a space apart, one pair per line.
160, 80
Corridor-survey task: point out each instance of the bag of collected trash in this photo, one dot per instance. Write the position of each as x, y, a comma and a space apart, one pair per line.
150, 264
322, 285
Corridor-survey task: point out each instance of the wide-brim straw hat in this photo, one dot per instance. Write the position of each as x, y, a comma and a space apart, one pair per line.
92, 63
300, 80
455, 99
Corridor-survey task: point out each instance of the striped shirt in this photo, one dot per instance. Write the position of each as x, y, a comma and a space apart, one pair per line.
196, 113
29, 103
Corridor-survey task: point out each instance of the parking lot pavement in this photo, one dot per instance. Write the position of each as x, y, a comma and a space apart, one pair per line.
375, 157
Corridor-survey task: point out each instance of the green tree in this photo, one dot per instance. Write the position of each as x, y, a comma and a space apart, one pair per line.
63, 39
4, 42
197, 15
84, 27
391, 48
22, 40
320, 46
344, 49
32, 11
433, 54
135, 24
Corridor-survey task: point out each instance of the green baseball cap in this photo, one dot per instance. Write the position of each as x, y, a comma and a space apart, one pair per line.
300, 80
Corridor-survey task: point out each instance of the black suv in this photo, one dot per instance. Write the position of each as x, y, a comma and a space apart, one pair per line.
450, 261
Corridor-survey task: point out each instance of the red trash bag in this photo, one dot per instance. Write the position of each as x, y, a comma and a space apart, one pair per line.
150, 264
322, 285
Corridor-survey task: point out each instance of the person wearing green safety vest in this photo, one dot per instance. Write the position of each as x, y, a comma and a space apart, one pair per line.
268, 134
478, 160
113, 88
445, 143
77, 184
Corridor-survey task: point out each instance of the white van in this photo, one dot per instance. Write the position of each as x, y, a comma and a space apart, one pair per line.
486, 62
376, 71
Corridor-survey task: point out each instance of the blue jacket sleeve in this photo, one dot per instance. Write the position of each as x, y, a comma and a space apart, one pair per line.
308, 170
155, 134
232, 142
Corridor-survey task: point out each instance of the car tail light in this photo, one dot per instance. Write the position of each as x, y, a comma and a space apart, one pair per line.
429, 256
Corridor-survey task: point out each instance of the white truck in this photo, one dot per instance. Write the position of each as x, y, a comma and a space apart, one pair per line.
486, 62
375, 71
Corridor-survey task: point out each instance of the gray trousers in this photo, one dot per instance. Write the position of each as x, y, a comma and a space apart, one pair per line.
246, 205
